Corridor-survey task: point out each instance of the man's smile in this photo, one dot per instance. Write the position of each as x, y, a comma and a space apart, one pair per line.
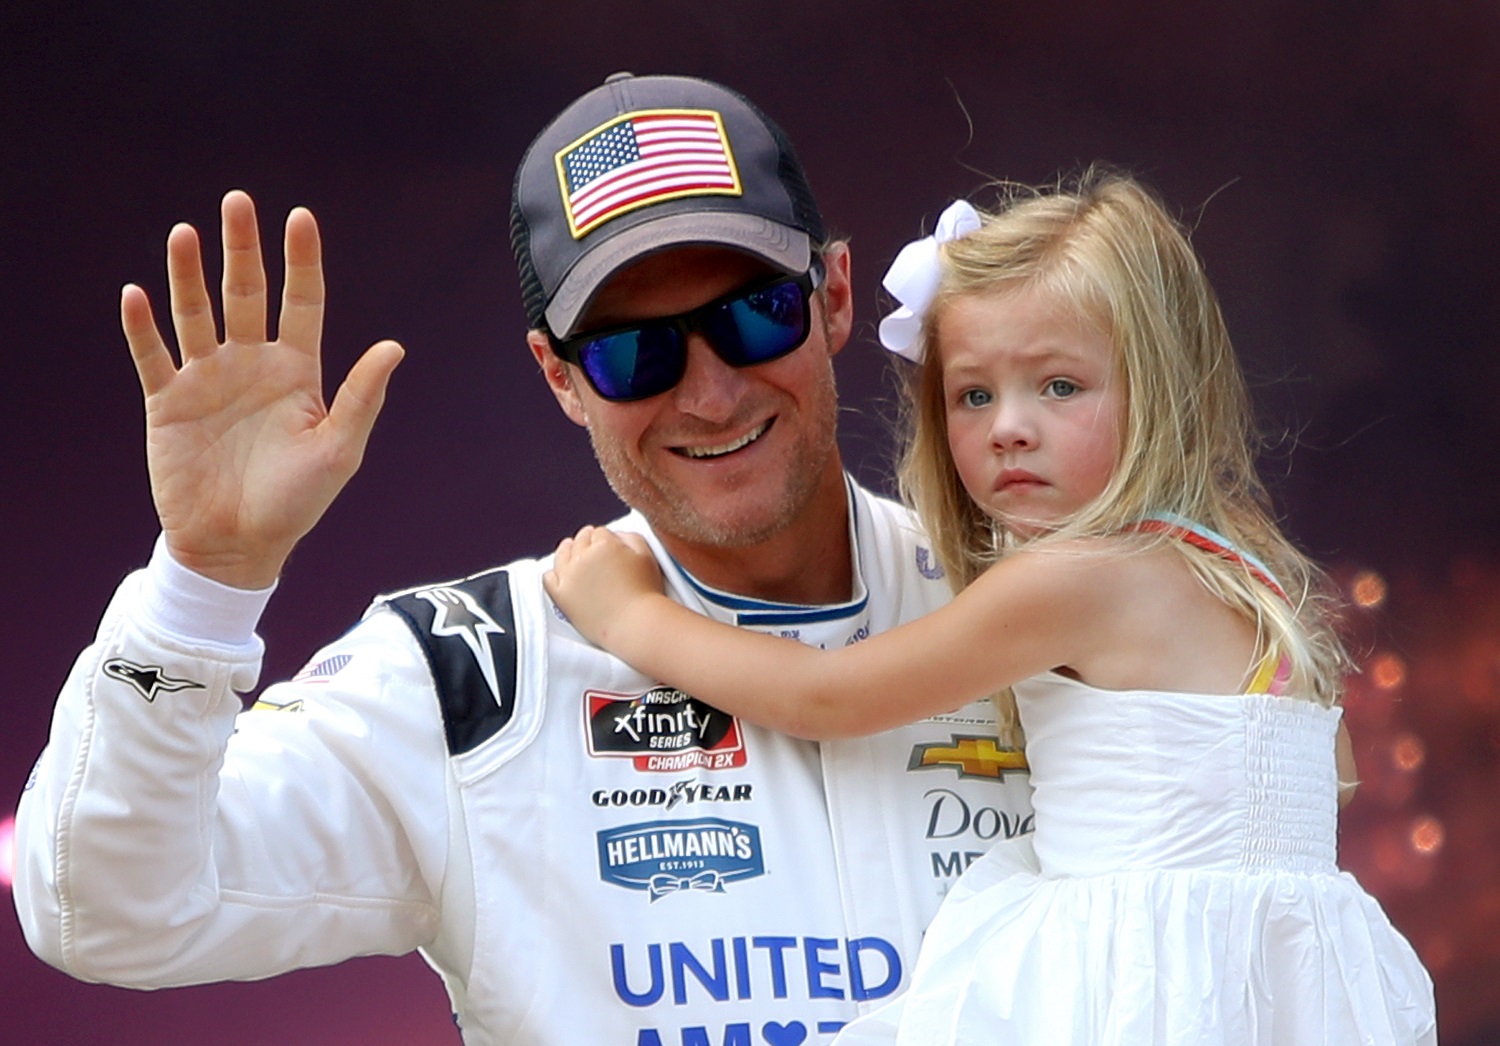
722, 449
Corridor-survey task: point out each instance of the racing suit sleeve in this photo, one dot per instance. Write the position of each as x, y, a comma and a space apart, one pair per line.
165, 838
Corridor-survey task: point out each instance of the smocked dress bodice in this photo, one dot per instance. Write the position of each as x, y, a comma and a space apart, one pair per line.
1236, 783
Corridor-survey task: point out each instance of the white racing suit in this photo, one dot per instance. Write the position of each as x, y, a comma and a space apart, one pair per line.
584, 855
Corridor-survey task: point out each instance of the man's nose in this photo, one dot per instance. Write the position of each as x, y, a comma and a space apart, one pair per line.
710, 388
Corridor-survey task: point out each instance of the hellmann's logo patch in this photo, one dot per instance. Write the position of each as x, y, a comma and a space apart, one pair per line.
666, 857
663, 730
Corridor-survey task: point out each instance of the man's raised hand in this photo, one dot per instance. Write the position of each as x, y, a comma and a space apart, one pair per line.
244, 455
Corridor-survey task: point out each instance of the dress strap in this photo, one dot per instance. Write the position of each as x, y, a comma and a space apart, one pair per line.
1199, 536
1274, 670
1271, 675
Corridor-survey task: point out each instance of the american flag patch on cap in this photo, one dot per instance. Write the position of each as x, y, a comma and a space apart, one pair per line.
643, 158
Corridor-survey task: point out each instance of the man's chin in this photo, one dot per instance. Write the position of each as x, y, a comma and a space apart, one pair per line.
725, 526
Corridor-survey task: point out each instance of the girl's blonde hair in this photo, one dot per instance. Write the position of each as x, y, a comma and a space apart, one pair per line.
1106, 247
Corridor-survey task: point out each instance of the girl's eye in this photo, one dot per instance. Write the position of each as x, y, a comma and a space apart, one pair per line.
973, 397
1062, 388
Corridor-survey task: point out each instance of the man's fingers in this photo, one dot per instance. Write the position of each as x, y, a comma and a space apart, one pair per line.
360, 397
192, 311
153, 363
302, 295
244, 271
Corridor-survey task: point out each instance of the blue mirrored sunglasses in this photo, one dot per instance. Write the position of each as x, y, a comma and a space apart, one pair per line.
745, 327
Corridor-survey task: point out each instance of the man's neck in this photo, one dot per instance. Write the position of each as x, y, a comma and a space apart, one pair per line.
809, 562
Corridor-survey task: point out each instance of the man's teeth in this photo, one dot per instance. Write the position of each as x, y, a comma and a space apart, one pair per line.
727, 448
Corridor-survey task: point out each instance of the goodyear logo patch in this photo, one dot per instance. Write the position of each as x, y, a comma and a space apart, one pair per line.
663, 730
666, 857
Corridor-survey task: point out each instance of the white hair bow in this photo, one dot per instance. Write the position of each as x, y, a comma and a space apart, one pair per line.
913, 277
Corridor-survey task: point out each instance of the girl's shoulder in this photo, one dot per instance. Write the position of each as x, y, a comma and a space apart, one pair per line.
1125, 558
1087, 580
1109, 584
1146, 619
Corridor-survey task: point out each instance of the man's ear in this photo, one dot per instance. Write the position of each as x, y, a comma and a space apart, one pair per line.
558, 378
838, 296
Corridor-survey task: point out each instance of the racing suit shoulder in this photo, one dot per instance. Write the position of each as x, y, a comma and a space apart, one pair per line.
467, 632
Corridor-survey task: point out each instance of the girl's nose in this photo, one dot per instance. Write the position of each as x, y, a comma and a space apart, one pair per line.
1012, 427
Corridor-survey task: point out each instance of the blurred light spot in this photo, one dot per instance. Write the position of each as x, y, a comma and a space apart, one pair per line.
1368, 589
1489, 904
1368, 706
1388, 856
1479, 672
1408, 752
7, 851
1391, 788
1437, 953
1465, 573
1388, 671
1427, 835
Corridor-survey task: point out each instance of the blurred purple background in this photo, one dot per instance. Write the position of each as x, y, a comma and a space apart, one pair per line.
1338, 160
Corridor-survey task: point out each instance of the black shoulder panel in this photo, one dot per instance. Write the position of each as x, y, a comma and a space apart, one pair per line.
468, 632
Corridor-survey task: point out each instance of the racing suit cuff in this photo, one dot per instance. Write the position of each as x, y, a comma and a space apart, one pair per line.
187, 604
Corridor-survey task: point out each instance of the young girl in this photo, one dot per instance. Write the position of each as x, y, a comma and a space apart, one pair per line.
1081, 456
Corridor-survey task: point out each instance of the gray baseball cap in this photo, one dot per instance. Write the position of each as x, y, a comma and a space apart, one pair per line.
643, 164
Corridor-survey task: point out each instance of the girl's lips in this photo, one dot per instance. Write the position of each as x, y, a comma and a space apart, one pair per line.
1016, 478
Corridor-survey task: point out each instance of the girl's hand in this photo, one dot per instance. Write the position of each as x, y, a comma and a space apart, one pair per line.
600, 579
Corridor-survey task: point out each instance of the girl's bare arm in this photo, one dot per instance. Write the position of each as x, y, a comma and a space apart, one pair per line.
1025, 615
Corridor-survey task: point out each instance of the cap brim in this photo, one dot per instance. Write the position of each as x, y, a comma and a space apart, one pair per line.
788, 249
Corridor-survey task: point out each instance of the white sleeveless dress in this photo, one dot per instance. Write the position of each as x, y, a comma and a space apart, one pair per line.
1182, 889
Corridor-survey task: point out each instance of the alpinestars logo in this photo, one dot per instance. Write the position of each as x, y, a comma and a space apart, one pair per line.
456, 613
147, 680
663, 730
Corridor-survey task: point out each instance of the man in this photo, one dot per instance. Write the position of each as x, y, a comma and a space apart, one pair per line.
583, 855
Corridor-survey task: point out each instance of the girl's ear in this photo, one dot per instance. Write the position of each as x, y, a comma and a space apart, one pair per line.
555, 371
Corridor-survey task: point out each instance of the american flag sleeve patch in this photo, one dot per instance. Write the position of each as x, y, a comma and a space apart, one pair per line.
324, 669
643, 158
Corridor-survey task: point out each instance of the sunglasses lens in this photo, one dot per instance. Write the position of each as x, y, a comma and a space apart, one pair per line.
634, 364
638, 362
760, 326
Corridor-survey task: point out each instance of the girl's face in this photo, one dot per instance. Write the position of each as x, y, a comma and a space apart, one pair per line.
1035, 406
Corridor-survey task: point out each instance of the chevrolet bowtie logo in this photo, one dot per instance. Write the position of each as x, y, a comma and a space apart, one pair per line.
970, 756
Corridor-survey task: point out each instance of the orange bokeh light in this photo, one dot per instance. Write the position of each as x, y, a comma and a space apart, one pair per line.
1427, 835
1408, 752
1368, 589
1388, 671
